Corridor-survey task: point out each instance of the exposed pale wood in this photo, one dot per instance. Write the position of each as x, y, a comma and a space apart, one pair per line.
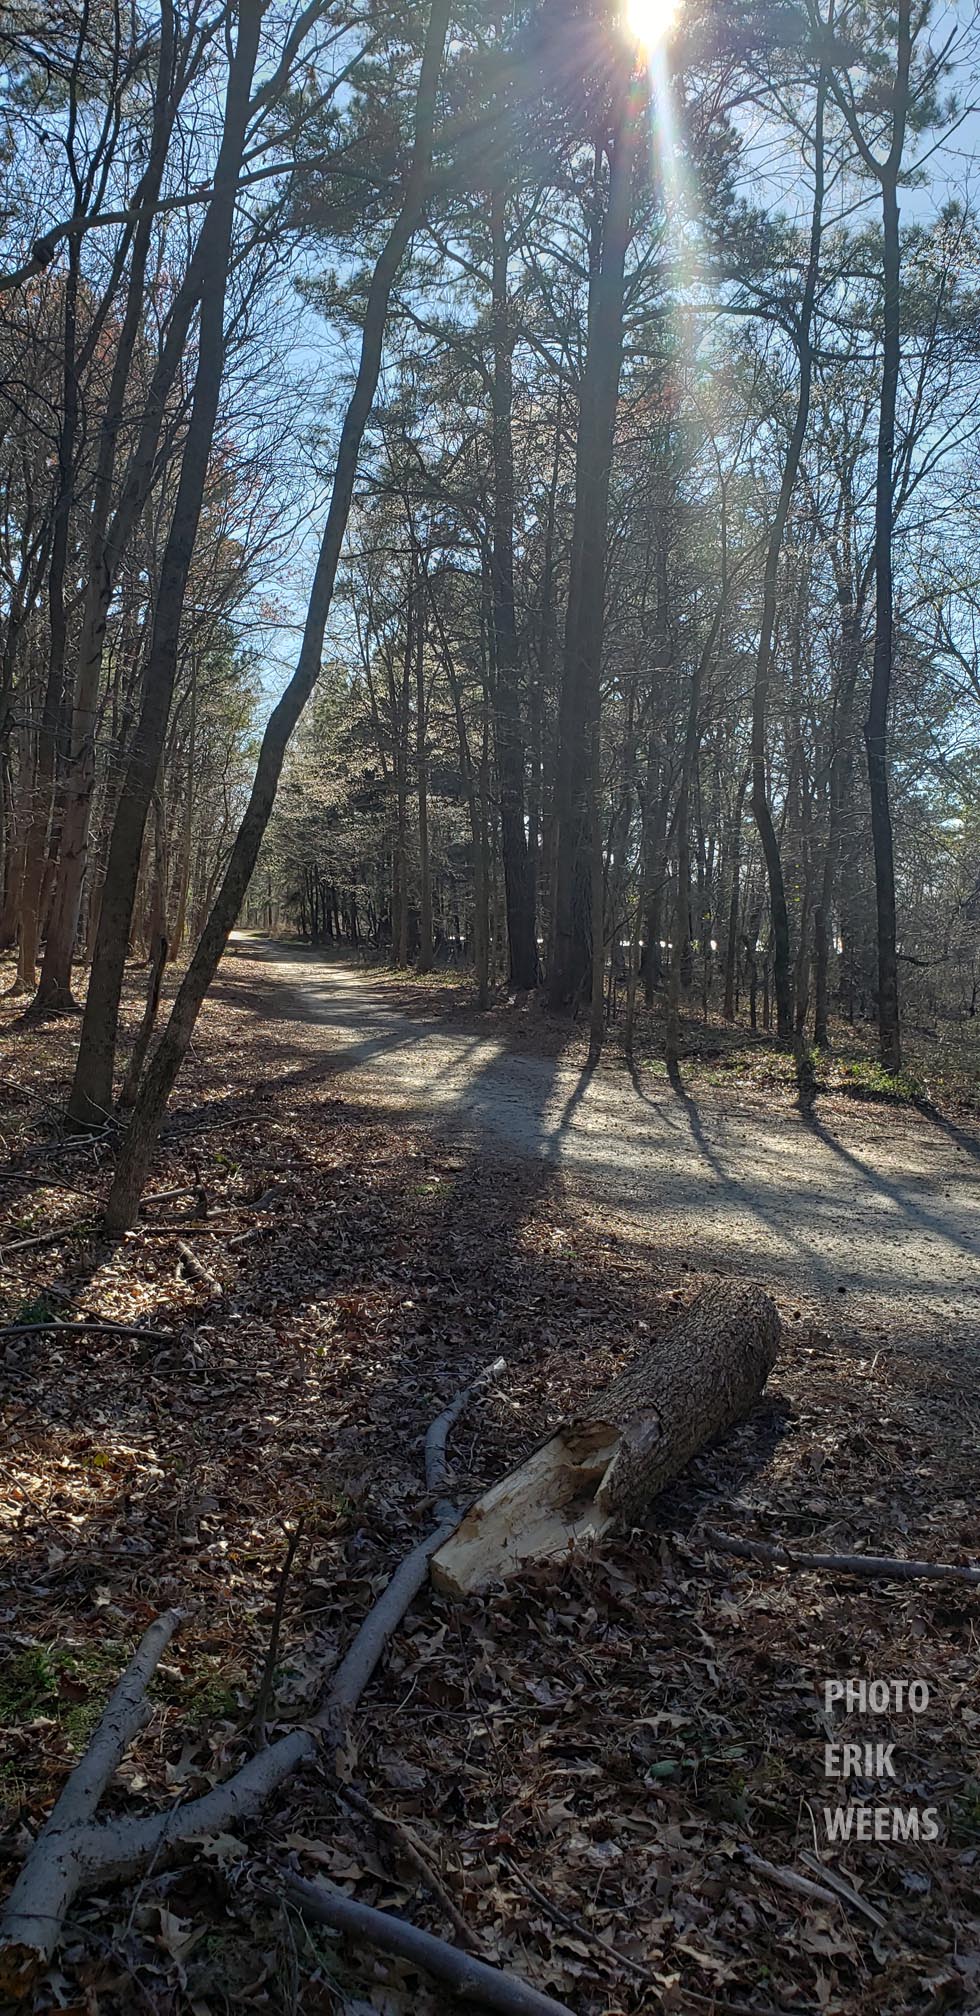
605, 1467
540, 1510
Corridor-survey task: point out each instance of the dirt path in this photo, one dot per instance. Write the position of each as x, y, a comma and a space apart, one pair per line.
867, 1216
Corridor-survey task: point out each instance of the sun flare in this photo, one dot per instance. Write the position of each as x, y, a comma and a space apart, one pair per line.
649, 22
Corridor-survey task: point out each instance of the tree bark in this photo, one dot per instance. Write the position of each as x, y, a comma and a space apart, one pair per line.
887, 173
509, 737
585, 613
731, 943
107, 541
35, 847
876, 728
607, 1464
424, 963
91, 1094
762, 811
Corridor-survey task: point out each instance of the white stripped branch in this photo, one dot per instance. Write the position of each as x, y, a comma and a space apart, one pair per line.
73, 1852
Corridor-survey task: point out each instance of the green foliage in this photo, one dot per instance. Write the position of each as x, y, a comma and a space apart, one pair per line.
868, 1079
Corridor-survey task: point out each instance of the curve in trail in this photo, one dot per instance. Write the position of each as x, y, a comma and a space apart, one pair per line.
877, 1220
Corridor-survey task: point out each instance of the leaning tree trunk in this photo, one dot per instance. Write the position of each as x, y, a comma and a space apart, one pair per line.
605, 1466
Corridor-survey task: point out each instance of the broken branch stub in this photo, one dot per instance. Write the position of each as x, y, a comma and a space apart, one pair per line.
602, 1469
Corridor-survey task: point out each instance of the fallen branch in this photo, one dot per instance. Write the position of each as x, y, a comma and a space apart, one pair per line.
788, 1879
167, 1196
436, 1463
578, 1925
471, 1980
876, 1567
84, 1228
844, 1889
88, 1330
35, 1903
33, 1098
83, 1855
42, 1182
73, 1144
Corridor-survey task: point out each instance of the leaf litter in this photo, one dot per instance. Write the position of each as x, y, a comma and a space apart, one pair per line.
584, 1756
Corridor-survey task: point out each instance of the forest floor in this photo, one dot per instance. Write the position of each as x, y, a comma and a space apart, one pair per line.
388, 1198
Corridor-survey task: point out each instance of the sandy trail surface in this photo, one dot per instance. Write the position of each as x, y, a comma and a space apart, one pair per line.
867, 1215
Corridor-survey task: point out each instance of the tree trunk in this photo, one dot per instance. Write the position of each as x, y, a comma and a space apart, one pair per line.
731, 945
91, 1094
585, 613
424, 963
876, 728
836, 794
606, 1465
35, 852
761, 809
509, 737
107, 541
137, 1148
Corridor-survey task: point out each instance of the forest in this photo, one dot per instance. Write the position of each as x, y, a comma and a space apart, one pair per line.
490, 843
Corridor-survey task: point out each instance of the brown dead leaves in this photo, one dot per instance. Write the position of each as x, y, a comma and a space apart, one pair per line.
582, 1757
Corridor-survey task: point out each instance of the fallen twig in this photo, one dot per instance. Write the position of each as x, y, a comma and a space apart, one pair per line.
264, 1695
413, 1852
844, 1890
197, 1269
97, 1852
471, 1980
876, 1567
788, 1879
89, 1330
577, 1925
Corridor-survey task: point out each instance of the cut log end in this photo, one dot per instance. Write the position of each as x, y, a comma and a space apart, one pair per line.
542, 1509
594, 1473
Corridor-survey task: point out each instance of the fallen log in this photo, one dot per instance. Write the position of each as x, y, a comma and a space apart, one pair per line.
604, 1467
